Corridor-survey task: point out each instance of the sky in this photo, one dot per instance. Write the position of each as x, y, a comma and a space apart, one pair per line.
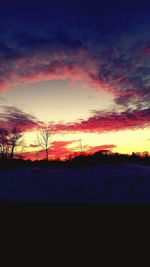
81, 67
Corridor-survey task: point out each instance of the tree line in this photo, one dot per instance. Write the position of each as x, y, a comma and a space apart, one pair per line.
12, 138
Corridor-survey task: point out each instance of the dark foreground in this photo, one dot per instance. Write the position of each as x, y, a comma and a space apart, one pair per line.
125, 183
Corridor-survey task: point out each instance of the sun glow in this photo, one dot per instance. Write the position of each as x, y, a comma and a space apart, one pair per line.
123, 141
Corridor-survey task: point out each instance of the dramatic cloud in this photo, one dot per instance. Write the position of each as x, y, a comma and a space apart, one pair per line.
40, 67
14, 117
109, 121
108, 50
100, 122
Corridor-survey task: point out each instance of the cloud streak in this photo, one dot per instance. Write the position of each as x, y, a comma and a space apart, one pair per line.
14, 117
108, 121
99, 122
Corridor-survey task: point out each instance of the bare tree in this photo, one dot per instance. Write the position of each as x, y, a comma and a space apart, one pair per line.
9, 139
44, 139
3, 143
14, 140
80, 146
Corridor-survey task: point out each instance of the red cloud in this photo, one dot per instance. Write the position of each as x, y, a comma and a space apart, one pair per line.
99, 122
32, 69
105, 122
107, 71
77, 66
60, 149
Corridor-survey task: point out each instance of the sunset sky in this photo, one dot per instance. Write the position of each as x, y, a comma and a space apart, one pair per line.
83, 67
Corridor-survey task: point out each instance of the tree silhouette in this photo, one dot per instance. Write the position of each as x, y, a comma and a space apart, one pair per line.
14, 137
44, 140
9, 139
3, 143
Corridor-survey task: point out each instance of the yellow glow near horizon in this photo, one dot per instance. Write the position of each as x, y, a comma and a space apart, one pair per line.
126, 141
59, 102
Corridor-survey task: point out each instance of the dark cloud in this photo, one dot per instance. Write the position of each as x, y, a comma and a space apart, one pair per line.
7, 52
33, 146
14, 117
108, 43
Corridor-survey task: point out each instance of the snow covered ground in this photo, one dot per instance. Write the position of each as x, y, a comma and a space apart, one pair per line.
101, 184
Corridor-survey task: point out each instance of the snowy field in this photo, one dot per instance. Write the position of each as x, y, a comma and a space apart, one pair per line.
103, 184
